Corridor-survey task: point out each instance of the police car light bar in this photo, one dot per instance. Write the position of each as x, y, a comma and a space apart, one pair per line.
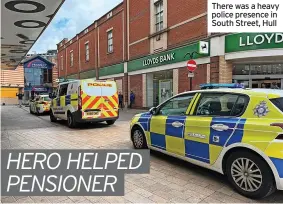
211, 86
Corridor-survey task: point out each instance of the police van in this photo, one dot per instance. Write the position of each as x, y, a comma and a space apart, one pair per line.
83, 101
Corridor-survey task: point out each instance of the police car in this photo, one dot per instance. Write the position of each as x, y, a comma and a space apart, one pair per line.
41, 104
236, 132
84, 101
215, 86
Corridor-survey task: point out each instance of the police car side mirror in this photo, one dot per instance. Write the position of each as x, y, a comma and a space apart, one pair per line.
152, 110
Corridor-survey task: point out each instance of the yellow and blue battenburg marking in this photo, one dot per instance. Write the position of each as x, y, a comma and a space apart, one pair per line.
278, 163
163, 135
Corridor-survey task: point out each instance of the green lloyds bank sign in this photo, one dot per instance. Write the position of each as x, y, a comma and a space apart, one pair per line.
252, 41
159, 59
167, 57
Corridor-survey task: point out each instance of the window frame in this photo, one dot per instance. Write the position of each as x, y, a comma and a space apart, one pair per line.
71, 58
87, 51
59, 90
159, 14
159, 107
62, 63
230, 93
108, 39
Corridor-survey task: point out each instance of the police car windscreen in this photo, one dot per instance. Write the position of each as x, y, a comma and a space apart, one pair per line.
278, 102
46, 99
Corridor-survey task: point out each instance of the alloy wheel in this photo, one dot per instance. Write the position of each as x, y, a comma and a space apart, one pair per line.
246, 174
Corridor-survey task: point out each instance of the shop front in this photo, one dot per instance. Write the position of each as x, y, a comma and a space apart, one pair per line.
37, 77
157, 77
257, 59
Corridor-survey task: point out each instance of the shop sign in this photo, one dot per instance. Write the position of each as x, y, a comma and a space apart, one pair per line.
168, 57
37, 63
253, 41
39, 89
159, 59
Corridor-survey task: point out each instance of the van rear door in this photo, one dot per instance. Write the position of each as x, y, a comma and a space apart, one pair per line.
109, 99
91, 99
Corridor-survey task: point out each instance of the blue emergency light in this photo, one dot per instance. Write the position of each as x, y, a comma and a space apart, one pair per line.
215, 86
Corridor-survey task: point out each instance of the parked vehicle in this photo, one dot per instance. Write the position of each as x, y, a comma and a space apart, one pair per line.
83, 101
236, 132
41, 104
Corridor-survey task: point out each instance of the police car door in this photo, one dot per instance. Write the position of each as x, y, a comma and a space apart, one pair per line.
212, 124
167, 125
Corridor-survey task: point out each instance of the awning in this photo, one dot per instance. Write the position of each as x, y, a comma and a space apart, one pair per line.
23, 21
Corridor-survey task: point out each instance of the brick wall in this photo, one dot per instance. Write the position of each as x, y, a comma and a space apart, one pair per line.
199, 78
136, 87
182, 10
75, 68
61, 71
91, 38
190, 31
116, 24
140, 49
225, 70
139, 19
139, 27
214, 69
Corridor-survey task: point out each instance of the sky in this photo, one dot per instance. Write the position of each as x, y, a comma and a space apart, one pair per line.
73, 17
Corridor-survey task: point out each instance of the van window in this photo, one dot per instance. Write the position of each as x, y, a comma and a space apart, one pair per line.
63, 90
72, 88
278, 102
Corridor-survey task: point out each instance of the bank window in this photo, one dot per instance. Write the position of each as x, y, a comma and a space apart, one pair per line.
159, 15
71, 58
221, 104
110, 41
241, 69
176, 106
62, 63
86, 52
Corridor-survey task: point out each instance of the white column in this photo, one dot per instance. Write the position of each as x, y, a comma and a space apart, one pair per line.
175, 81
149, 91
208, 73
144, 90
125, 67
129, 89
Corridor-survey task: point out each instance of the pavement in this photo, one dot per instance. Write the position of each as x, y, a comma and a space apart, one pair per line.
170, 180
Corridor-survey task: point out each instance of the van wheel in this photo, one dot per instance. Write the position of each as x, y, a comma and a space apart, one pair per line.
71, 121
250, 175
138, 138
52, 117
110, 122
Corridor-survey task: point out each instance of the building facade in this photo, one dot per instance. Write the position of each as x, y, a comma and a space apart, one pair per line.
145, 44
38, 76
12, 82
51, 56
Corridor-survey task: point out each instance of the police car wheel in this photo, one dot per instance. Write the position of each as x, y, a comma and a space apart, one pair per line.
138, 139
250, 175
